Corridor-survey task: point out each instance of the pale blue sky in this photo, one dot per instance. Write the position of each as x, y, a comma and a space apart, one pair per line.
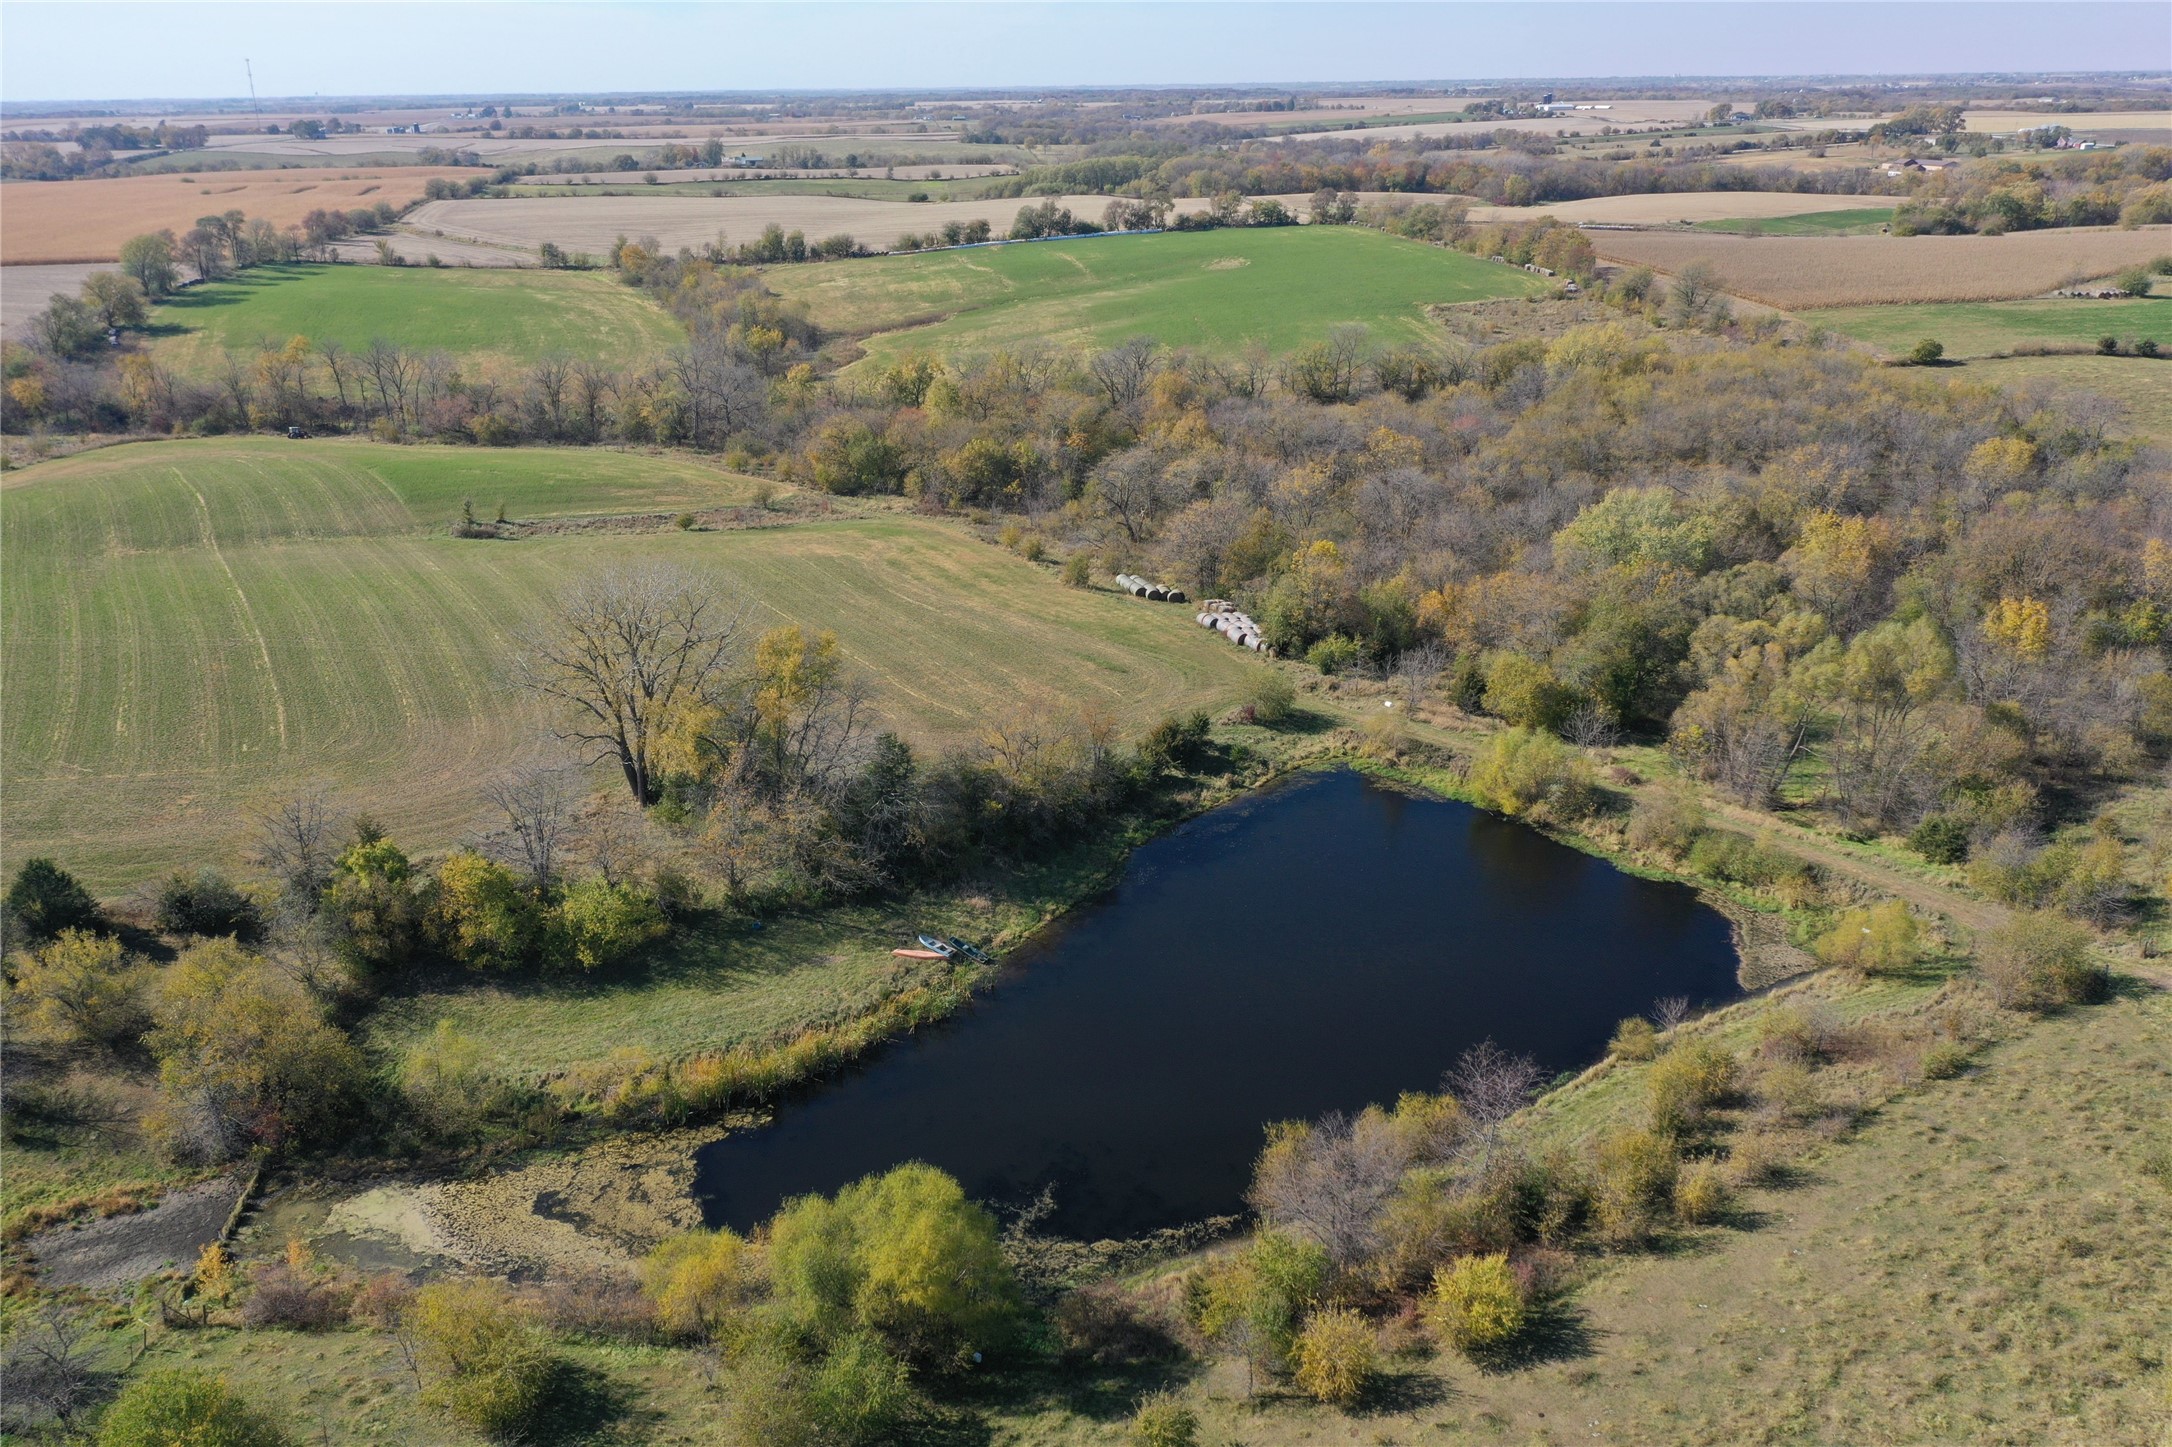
99, 51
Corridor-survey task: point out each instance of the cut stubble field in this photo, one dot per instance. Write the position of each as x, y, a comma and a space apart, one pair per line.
593, 223
195, 629
1661, 208
1216, 290
474, 313
54, 221
1791, 272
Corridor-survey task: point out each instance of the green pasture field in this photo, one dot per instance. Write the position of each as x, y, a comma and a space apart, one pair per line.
1815, 223
2140, 384
194, 629
1216, 290
1995, 328
513, 315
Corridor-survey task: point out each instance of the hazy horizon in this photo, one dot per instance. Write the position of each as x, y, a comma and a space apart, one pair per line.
195, 52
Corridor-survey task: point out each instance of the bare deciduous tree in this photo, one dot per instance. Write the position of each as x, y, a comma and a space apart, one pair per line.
1332, 1179
298, 843
625, 653
538, 809
1670, 1012
1491, 1085
1122, 371
1418, 669
48, 1368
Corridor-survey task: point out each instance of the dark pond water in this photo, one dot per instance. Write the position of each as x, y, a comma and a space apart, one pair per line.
1316, 947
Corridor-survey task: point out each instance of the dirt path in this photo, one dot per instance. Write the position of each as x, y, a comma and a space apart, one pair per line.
122, 1250
1975, 915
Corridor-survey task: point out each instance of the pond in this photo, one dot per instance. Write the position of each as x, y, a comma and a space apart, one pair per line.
1320, 945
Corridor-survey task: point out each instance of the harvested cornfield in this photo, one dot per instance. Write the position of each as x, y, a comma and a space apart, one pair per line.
1814, 271
48, 221
593, 223
1665, 207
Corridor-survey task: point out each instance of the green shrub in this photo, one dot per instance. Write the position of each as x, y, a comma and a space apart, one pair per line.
1336, 1357
493, 1372
1685, 1083
1177, 742
1520, 769
1078, 570
904, 1255
83, 988
1477, 1304
1271, 697
1884, 939
207, 903
1700, 1194
1733, 858
703, 1283
1164, 1421
602, 923
1334, 653
46, 899
1667, 822
2108, 346
1524, 692
483, 916
2040, 961
859, 1394
1634, 1039
1926, 353
1254, 1300
1636, 1174
2134, 281
448, 1089
1945, 1060
1940, 838
373, 908
182, 1408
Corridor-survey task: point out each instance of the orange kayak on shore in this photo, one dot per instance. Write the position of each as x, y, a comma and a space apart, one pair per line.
917, 954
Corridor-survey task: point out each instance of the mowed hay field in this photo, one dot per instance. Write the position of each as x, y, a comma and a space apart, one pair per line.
1994, 328
192, 629
593, 223
2140, 386
513, 315
1278, 286
1820, 271
1666, 207
88, 220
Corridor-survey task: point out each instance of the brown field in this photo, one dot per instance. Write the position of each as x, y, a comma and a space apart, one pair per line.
593, 223
1849, 156
2084, 122
24, 291
1659, 209
769, 173
1329, 110
1625, 113
49, 221
1814, 271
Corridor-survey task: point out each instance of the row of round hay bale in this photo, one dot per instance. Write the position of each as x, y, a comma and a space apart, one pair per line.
1139, 587
1237, 627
